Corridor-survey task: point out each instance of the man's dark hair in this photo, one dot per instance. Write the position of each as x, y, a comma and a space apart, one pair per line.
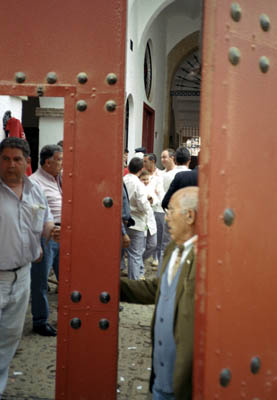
151, 157
126, 150
48, 152
171, 153
182, 155
16, 143
60, 143
135, 165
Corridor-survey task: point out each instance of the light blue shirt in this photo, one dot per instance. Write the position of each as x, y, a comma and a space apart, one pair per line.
21, 224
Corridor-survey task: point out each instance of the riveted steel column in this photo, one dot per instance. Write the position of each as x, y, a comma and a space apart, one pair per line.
83, 62
237, 277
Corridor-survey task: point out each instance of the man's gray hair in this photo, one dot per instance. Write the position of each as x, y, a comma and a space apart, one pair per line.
48, 151
189, 198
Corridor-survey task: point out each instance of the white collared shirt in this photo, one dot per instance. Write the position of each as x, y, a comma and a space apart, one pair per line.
156, 183
21, 224
169, 176
187, 247
151, 221
139, 204
52, 190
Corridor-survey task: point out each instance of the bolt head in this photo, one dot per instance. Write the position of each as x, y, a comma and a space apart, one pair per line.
234, 55
81, 105
82, 78
104, 324
51, 78
111, 78
110, 105
108, 202
225, 377
264, 64
265, 22
105, 297
236, 12
76, 296
255, 365
229, 216
20, 77
75, 323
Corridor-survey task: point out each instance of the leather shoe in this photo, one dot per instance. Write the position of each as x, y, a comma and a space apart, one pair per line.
45, 330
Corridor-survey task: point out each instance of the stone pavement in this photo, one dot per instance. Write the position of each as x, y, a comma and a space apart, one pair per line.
32, 372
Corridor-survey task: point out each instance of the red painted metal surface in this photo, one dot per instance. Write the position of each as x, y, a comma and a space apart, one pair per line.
237, 277
70, 37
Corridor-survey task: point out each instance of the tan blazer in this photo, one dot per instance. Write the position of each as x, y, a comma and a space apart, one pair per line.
147, 292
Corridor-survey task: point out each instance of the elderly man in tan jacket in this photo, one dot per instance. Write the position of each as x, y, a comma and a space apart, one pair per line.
173, 295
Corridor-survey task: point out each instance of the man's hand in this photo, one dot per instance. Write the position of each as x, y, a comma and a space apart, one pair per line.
40, 256
55, 233
125, 241
150, 199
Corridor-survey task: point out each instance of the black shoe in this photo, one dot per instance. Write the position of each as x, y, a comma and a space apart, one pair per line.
45, 330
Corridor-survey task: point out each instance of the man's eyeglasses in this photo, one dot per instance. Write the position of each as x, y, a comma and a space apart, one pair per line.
169, 211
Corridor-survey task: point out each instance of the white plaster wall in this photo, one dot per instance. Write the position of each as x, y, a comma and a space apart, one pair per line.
51, 102
135, 71
50, 131
9, 103
165, 23
180, 26
157, 34
50, 128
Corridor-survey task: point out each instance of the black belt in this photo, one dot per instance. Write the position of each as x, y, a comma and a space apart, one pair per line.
12, 270
57, 224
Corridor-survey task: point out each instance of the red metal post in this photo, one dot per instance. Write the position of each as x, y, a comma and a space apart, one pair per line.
236, 320
83, 44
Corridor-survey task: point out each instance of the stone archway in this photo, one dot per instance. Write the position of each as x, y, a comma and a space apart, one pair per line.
186, 46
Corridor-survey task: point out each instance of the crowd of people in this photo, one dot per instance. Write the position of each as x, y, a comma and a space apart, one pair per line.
161, 223
172, 327
157, 224
149, 190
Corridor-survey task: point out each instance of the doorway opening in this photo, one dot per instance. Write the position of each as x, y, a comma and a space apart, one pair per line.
148, 128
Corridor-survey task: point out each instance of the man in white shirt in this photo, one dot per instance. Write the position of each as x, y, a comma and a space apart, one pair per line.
182, 160
24, 216
48, 178
140, 206
168, 159
149, 163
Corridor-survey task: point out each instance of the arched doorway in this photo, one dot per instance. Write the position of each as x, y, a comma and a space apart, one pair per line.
177, 59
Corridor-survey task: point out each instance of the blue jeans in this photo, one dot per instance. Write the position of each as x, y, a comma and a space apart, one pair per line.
159, 217
134, 252
165, 242
150, 244
159, 395
39, 280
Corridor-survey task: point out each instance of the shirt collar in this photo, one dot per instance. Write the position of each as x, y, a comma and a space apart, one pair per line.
190, 242
47, 175
27, 184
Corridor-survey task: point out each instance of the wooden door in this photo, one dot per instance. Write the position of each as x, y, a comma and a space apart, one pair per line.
148, 128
